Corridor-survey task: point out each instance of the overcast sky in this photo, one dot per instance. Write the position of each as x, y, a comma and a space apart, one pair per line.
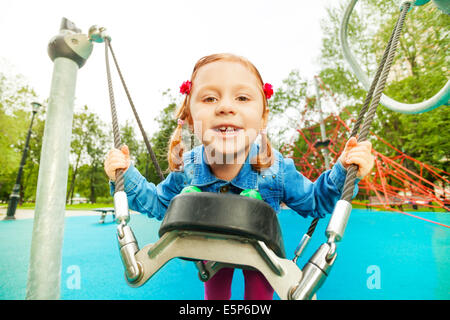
158, 42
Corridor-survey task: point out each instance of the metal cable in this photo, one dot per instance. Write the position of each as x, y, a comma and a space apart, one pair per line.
373, 85
364, 108
115, 124
312, 227
389, 51
138, 120
352, 170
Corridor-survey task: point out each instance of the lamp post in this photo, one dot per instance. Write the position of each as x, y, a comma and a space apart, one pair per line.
15, 195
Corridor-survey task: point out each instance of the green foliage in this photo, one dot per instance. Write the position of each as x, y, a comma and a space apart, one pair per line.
419, 70
160, 141
286, 106
96, 147
291, 94
31, 168
15, 118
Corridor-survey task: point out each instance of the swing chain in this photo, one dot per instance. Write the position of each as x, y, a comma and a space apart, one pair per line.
127, 242
319, 265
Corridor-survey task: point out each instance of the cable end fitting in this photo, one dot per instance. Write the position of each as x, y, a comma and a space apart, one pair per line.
121, 207
338, 221
98, 34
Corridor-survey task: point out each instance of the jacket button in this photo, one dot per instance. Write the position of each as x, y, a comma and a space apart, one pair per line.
224, 189
263, 176
274, 176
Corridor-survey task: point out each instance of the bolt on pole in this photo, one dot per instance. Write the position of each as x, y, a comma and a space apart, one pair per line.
69, 50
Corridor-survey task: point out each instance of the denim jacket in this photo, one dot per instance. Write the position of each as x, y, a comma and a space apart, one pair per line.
279, 183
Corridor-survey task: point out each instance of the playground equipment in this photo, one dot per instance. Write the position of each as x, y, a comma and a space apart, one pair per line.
69, 50
440, 98
392, 184
239, 244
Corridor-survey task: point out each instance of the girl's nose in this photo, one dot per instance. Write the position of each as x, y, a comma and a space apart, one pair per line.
225, 108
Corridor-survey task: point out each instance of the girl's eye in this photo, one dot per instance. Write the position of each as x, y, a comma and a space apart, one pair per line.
210, 99
242, 98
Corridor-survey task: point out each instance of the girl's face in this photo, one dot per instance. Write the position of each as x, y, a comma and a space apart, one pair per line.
226, 107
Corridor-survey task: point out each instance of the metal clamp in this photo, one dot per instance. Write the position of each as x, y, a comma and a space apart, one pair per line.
338, 221
314, 274
319, 265
121, 207
128, 248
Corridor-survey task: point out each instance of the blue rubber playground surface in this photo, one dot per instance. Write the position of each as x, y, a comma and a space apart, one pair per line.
383, 255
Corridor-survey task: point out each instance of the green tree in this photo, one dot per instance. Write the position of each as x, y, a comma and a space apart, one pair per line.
160, 140
15, 116
135, 143
90, 143
420, 70
31, 168
80, 137
287, 108
96, 149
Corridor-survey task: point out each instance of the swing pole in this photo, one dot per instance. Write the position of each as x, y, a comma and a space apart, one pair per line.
69, 50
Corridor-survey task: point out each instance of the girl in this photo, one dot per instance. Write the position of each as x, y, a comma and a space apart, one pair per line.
226, 108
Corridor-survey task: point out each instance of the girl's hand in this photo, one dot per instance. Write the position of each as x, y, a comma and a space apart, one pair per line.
117, 159
358, 153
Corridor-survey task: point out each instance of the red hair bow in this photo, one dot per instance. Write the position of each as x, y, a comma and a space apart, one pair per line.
268, 90
185, 88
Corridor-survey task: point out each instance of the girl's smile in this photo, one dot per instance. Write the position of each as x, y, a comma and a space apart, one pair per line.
227, 130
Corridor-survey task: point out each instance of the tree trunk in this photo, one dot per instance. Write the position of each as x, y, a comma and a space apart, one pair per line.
72, 181
92, 197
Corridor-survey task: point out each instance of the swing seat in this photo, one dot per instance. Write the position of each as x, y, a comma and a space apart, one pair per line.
218, 231
225, 214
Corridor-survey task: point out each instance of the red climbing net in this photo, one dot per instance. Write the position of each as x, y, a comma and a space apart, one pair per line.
397, 180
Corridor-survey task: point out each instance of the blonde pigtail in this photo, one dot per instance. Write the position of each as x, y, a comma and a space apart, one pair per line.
264, 159
176, 150
176, 146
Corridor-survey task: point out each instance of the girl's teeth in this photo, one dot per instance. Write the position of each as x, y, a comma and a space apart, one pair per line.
227, 129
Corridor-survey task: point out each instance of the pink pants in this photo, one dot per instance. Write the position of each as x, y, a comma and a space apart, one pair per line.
256, 286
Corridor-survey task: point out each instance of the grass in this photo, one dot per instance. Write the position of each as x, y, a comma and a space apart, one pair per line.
79, 206
404, 208
89, 206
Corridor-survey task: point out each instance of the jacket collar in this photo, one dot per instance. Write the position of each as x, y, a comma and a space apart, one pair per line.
246, 178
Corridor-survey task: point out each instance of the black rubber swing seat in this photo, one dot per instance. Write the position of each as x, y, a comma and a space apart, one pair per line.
225, 214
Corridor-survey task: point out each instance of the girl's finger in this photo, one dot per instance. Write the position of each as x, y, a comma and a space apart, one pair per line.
364, 164
367, 145
357, 154
363, 147
118, 164
351, 143
124, 149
